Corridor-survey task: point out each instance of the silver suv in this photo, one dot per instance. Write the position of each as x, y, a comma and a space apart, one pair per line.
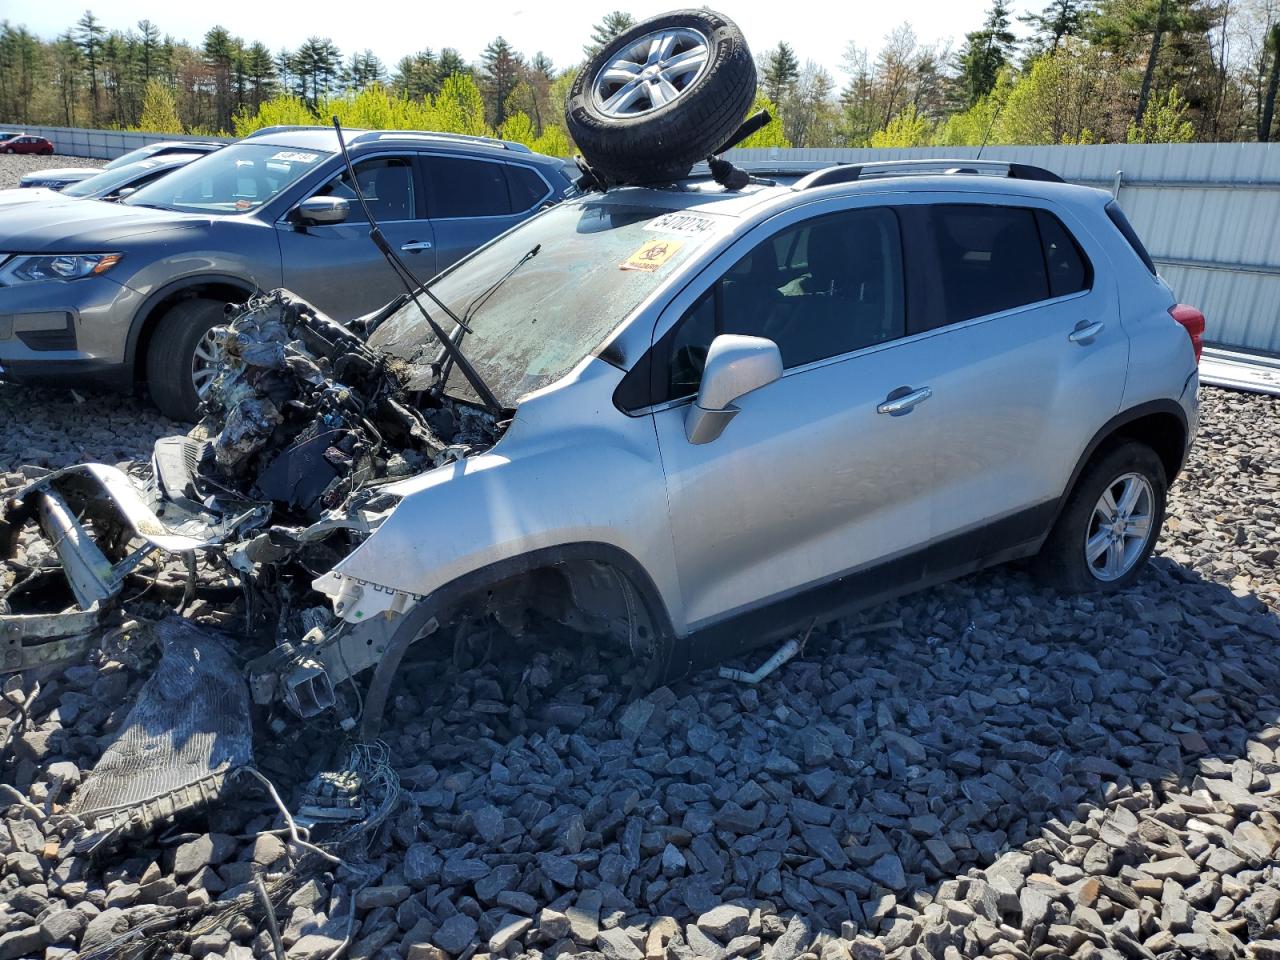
694, 417
743, 409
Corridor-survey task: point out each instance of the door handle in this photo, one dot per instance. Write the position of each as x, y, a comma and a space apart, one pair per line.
904, 401
1085, 331
414, 246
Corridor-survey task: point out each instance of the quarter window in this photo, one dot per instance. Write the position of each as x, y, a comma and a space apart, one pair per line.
819, 289
1068, 269
527, 188
466, 188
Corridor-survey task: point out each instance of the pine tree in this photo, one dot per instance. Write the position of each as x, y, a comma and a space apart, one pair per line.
148, 48
451, 65
500, 68
985, 52
364, 70
781, 71
89, 36
260, 71
613, 24
1061, 18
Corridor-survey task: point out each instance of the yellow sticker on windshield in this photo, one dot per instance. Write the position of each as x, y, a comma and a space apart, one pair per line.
652, 255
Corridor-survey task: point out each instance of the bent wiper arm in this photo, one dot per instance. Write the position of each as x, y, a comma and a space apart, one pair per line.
413, 285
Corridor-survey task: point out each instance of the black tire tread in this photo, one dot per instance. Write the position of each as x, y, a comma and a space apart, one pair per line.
169, 355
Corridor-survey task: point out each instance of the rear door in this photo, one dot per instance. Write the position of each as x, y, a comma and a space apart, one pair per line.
809, 482
472, 199
336, 266
1037, 362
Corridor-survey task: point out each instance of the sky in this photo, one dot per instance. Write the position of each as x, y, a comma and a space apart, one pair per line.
394, 28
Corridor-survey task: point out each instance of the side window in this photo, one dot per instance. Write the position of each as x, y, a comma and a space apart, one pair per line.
989, 259
466, 188
387, 185
527, 188
1069, 270
818, 289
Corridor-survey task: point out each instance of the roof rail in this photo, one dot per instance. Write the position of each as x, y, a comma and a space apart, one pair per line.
458, 137
848, 173
284, 127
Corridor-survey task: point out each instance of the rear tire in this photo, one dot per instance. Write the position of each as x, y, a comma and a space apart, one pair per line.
625, 134
172, 354
1101, 542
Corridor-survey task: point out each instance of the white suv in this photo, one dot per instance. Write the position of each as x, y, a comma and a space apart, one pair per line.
720, 413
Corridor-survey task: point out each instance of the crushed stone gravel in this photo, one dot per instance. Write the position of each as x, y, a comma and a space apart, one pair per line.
985, 768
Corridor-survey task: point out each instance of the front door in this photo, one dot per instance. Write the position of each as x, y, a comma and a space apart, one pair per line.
810, 480
337, 267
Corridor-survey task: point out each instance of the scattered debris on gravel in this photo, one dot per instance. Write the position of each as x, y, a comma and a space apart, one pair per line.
14, 166
981, 769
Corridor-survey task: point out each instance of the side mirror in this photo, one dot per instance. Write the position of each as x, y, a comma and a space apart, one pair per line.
124, 192
735, 365
318, 211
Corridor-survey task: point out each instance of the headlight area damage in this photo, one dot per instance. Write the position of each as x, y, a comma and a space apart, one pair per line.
230, 525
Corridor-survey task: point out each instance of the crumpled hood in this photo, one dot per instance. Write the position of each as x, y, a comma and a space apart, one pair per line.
81, 225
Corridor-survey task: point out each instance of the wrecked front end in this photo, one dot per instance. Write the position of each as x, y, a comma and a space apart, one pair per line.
222, 536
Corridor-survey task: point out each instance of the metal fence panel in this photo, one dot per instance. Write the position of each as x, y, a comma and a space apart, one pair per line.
1208, 212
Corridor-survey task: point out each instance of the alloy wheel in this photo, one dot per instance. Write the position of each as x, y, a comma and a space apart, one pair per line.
651, 72
1120, 527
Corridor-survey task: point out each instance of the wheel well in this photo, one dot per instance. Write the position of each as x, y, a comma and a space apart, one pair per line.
213, 290
1162, 432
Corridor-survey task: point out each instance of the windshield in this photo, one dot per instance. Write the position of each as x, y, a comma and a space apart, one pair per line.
597, 261
133, 156
235, 179
109, 181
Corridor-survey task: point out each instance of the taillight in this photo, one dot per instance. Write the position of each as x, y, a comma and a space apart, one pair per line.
1192, 321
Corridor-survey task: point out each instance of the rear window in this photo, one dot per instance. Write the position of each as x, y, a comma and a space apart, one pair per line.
527, 188
1126, 230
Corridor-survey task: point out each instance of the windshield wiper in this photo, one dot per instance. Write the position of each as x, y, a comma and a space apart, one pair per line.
413, 285
445, 364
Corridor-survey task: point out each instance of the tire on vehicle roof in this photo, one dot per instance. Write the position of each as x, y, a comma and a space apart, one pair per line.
634, 139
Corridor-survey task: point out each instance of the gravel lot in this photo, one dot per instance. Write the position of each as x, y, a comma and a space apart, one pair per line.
982, 769
13, 167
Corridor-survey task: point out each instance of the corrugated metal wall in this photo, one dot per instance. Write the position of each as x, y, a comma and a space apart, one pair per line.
100, 144
1208, 212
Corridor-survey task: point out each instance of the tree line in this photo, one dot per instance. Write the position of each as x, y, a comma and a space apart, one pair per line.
1090, 71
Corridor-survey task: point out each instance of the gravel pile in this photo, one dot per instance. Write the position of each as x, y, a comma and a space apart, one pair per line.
982, 769
13, 166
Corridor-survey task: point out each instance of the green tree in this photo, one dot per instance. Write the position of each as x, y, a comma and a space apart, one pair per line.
1272, 47
20, 63
910, 128
159, 109
459, 107
1061, 18
985, 52
417, 75
317, 64
613, 24
781, 71
500, 70
1164, 122
260, 73
364, 70
89, 36
149, 48
771, 134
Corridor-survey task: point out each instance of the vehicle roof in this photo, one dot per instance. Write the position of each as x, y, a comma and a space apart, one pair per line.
702, 193
324, 138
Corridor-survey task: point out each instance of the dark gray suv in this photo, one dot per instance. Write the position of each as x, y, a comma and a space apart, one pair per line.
119, 293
